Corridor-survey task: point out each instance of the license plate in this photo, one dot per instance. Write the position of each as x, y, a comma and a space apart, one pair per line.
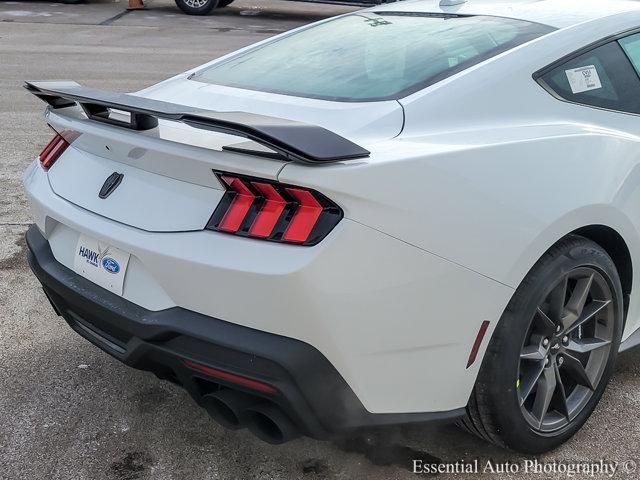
101, 263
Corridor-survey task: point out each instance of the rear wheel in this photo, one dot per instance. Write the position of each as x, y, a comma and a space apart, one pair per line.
197, 7
552, 353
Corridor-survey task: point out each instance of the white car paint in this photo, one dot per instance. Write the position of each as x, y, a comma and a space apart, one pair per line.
469, 181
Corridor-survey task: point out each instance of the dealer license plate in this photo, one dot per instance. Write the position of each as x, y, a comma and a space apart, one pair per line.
101, 263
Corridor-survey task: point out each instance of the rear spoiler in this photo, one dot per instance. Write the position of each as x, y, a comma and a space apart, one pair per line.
295, 141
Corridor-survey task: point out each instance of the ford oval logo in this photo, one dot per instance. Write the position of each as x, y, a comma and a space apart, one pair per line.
110, 265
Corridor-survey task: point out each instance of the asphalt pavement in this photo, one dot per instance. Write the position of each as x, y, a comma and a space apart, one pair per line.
69, 411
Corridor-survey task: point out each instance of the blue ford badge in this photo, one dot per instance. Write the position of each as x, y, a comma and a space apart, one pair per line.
110, 265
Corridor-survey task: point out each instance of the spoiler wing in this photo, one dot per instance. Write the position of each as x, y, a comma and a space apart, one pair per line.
295, 141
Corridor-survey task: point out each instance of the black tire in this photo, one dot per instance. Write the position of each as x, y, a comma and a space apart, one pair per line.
224, 3
204, 9
494, 412
71, 1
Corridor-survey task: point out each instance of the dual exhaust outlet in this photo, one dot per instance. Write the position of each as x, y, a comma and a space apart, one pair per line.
235, 410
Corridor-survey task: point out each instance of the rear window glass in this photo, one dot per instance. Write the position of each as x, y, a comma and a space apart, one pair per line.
367, 57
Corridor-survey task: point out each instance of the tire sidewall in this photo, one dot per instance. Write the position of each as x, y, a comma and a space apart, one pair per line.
189, 10
520, 435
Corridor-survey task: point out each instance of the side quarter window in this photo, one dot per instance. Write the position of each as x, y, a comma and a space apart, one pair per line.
602, 77
631, 46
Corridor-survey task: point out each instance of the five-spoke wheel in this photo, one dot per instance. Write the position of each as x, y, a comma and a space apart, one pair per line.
566, 349
553, 351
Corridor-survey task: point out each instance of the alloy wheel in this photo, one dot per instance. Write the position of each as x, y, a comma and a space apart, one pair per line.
566, 349
196, 3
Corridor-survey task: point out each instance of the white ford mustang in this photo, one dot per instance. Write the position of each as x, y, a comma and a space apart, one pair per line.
420, 212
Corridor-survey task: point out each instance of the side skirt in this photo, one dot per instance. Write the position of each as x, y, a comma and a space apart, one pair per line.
632, 341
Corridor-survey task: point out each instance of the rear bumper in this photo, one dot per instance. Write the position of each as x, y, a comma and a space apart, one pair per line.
308, 388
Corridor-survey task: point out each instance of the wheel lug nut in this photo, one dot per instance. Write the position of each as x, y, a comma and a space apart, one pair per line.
560, 360
546, 361
545, 342
558, 328
565, 339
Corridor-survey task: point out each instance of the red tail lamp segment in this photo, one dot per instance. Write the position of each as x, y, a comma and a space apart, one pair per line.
58, 144
304, 218
270, 212
230, 377
258, 208
240, 205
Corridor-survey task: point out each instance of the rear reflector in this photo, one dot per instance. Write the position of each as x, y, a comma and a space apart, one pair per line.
58, 144
259, 208
230, 377
476, 345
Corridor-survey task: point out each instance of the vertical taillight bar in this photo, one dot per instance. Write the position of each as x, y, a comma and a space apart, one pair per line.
270, 211
58, 144
240, 204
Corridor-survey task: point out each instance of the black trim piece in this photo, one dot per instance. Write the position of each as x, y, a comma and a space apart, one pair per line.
110, 184
99, 338
250, 151
310, 390
295, 141
391, 13
457, 15
632, 341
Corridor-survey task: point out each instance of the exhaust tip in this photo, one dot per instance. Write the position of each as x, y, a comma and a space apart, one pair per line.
270, 424
227, 407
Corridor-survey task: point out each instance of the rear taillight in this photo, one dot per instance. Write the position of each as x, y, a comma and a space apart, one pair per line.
58, 144
258, 208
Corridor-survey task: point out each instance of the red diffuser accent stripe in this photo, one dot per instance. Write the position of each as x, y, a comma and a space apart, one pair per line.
245, 382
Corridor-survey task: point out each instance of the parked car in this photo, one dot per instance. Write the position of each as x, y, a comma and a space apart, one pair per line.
204, 7
201, 7
191, 7
419, 212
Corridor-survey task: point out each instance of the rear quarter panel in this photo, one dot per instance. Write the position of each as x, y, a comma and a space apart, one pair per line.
493, 208
491, 170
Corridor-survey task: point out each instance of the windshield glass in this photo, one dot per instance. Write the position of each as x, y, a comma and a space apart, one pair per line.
367, 56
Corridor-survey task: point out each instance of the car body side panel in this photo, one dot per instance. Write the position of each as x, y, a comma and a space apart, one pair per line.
494, 209
491, 170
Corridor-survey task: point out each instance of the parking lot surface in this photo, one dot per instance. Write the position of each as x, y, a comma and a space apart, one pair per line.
69, 411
